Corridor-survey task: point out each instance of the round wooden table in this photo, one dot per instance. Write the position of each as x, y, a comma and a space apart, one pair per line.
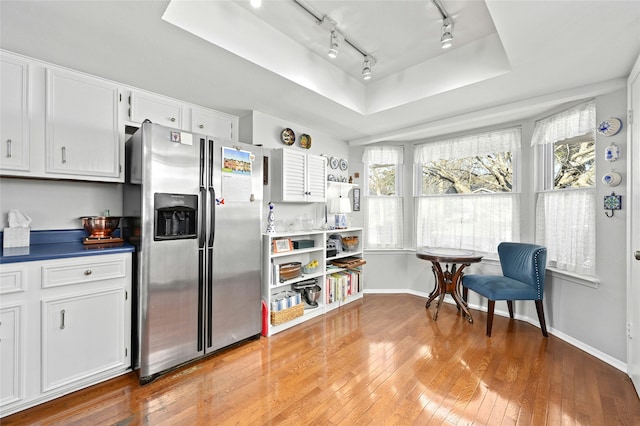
448, 281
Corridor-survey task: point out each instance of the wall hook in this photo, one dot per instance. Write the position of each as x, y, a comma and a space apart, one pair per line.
612, 202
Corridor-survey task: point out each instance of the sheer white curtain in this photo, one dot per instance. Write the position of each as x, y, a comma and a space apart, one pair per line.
577, 121
565, 218
481, 144
564, 224
384, 225
469, 221
383, 155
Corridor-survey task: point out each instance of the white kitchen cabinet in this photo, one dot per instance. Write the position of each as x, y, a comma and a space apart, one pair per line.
215, 124
14, 131
82, 136
82, 335
67, 325
298, 176
158, 109
13, 283
274, 288
11, 354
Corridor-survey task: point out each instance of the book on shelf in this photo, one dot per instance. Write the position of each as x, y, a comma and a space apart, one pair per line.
342, 284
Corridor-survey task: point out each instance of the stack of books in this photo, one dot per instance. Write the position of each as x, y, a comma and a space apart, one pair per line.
340, 285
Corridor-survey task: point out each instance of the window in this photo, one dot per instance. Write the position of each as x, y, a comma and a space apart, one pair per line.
565, 207
465, 194
384, 213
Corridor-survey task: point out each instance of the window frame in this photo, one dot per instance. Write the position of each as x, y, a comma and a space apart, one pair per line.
398, 197
544, 163
516, 172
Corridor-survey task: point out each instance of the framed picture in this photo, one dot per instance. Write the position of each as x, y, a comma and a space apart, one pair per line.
282, 245
356, 199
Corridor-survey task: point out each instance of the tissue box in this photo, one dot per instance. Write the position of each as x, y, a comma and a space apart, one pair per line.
16, 237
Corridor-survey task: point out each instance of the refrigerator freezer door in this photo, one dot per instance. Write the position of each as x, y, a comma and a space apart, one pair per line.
236, 298
170, 290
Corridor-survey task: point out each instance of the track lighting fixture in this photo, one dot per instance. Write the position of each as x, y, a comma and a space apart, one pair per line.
366, 68
447, 25
333, 45
328, 23
447, 37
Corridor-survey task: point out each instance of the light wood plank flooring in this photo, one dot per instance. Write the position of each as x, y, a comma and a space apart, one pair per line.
381, 360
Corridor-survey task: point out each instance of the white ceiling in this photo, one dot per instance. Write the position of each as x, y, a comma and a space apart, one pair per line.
511, 58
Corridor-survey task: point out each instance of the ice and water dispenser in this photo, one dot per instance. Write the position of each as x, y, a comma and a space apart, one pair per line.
175, 216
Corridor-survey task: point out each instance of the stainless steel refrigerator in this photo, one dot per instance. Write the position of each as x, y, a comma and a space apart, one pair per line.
192, 207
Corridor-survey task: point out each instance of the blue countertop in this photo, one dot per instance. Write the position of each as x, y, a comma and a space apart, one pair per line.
59, 244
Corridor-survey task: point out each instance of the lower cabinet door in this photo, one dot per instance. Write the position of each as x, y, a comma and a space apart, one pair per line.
83, 335
11, 356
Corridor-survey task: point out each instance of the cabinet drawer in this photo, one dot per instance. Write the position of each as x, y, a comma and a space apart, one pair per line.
82, 272
12, 279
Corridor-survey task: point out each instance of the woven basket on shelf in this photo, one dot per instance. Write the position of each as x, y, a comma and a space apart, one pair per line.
288, 314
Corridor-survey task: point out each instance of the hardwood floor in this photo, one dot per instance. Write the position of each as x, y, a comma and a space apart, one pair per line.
381, 360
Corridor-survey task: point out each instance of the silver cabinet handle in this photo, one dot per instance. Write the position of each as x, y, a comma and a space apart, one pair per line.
8, 148
87, 272
172, 119
637, 255
201, 126
64, 154
62, 319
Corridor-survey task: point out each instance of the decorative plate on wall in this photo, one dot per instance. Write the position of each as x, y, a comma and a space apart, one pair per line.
288, 137
344, 165
609, 127
334, 162
305, 141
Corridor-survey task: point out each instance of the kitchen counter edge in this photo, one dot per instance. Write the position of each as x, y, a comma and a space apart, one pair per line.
59, 244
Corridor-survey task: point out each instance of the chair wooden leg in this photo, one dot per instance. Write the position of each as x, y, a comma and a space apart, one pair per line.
543, 325
510, 306
465, 293
490, 308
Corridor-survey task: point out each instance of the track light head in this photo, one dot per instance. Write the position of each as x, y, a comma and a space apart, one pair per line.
333, 45
366, 69
447, 37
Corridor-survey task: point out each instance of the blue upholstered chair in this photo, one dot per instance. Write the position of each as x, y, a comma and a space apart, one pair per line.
523, 268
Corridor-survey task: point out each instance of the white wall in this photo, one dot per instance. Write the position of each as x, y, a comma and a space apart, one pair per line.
591, 318
54, 204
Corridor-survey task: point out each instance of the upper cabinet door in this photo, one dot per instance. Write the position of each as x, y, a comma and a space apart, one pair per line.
14, 131
157, 109
293, 176
298, 177
316, 178
82, 136
212, 124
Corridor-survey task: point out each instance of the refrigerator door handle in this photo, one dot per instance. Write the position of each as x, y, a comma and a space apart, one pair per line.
212, 224
202, 220
202, 162
201, 308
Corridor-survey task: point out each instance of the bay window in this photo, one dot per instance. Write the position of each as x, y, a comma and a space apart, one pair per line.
565, 206
465, 196
383, 197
